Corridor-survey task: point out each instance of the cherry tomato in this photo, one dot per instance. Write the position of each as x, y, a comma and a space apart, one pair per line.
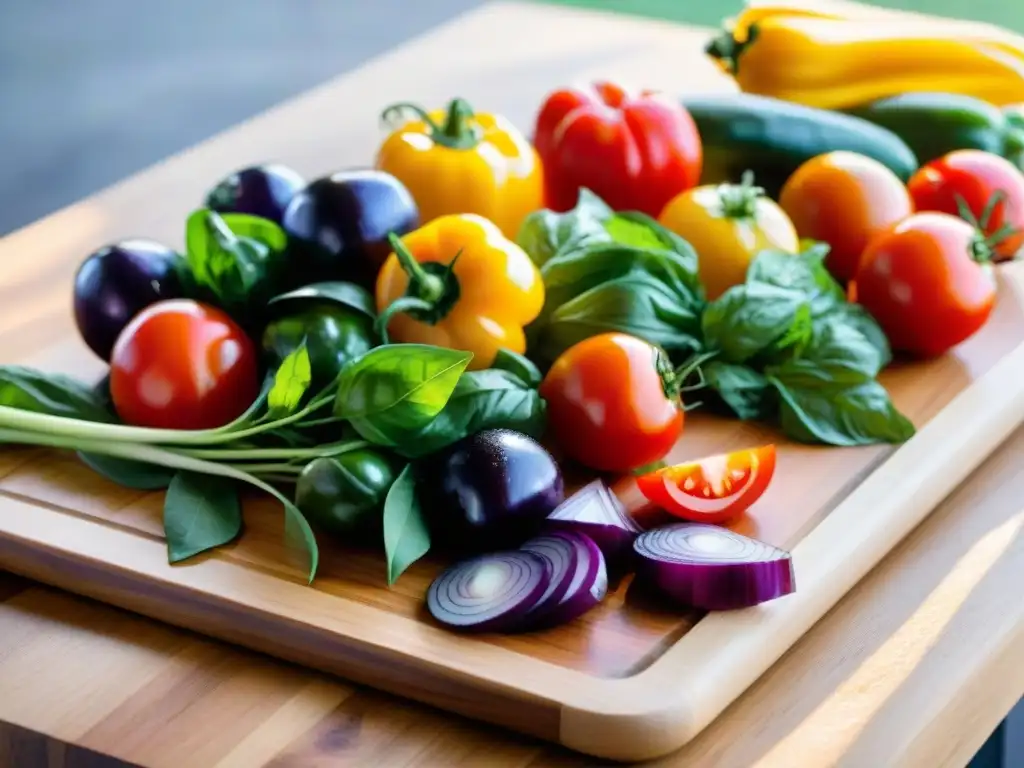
728, 224
182, 365
923, 283
711, 489
844, 199
611, 403
976, 178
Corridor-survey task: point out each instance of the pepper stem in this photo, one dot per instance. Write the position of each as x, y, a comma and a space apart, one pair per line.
726, 50
423, 284
458, 130
739, 201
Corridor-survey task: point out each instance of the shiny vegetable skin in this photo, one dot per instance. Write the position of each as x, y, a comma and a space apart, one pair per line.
933, 124
118, 281
338, 226
835, 64
743, 132
345, 494
334, 335
635, 150
458, 282
728, 224
489, 490
462, 161
259, 190
613, 405
180, 364
926, 282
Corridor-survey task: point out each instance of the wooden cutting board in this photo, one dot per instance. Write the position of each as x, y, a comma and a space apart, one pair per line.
630, 680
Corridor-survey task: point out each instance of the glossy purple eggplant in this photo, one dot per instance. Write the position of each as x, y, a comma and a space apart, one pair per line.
259, 190
338, 226
117, 282
490, 490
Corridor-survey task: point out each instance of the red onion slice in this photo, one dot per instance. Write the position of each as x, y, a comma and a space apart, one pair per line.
580, 567
489, 593
709, 567
597, 513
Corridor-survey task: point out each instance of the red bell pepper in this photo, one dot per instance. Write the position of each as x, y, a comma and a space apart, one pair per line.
635, 150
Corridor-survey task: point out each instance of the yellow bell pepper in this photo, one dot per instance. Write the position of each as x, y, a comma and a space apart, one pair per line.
835, 63
461, 161
457, 282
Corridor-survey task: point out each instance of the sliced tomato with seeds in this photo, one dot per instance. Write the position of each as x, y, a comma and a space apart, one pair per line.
711, 489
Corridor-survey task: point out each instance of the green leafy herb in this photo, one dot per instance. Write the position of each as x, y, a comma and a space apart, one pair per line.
855, 316
804, 272
128, 473
406, 537
544, 234
200, 513
743, 389
393, 392
518, 365
338, 293
30, 390
291, 381
489, 399
837, 354
749, 318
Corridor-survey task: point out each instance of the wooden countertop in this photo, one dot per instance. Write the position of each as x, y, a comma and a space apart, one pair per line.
915, 667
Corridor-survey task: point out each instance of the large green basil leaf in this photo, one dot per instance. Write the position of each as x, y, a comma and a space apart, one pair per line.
804, 272
749, 318
489, 399
201, 512
855, 316
518, 365
392, 392
127, 473
406, 537
637, 304
545, 233
861, 414
333, 293
291, 380
744, 390
50, 393
837, 354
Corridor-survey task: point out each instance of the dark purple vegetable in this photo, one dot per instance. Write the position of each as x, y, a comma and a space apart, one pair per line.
705, 566
491, 490
490, 593
118, 281
339, 224
579, 578
259, 190
597, 512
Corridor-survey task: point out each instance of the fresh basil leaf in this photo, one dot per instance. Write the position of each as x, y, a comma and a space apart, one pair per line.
799, 334
406, 537
637, 304
861, 414
50, 393
488, 399
392, 392
855, 316
263, 231
545, 233
347, 295
749, 318
127, 473
634, 230
837, 354
291, 381
517, 365
201, 512
804, 272
740, 387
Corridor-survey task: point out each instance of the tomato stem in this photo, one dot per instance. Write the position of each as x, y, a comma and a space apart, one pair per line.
739, 201
983, 246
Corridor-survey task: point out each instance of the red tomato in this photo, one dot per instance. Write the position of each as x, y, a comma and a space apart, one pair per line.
844, 199
182, 365
636, 151
923, 283
607, 403
976, 177
711, 489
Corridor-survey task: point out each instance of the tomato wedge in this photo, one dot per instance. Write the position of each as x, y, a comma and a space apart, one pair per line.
711, 489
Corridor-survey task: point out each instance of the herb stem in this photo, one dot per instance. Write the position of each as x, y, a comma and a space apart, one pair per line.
253, 454
268, 469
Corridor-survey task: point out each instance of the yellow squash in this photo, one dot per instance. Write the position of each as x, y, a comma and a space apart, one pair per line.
838, 63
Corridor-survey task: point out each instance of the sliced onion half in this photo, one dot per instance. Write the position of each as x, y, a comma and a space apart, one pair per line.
709, 567
598, 514
579, 578
489, 593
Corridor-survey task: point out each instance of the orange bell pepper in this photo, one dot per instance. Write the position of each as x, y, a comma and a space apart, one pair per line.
457, 282
461, 161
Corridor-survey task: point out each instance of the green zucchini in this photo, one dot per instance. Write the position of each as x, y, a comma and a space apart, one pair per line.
772, 138
933, 124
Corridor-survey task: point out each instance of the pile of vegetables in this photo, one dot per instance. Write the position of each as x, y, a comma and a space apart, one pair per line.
408, 356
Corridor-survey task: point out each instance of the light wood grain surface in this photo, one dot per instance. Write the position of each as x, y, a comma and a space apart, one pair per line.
108, 681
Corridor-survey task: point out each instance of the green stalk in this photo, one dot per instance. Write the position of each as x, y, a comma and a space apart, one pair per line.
255, 454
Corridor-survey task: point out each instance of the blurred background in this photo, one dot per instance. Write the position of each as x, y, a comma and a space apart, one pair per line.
94, 91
